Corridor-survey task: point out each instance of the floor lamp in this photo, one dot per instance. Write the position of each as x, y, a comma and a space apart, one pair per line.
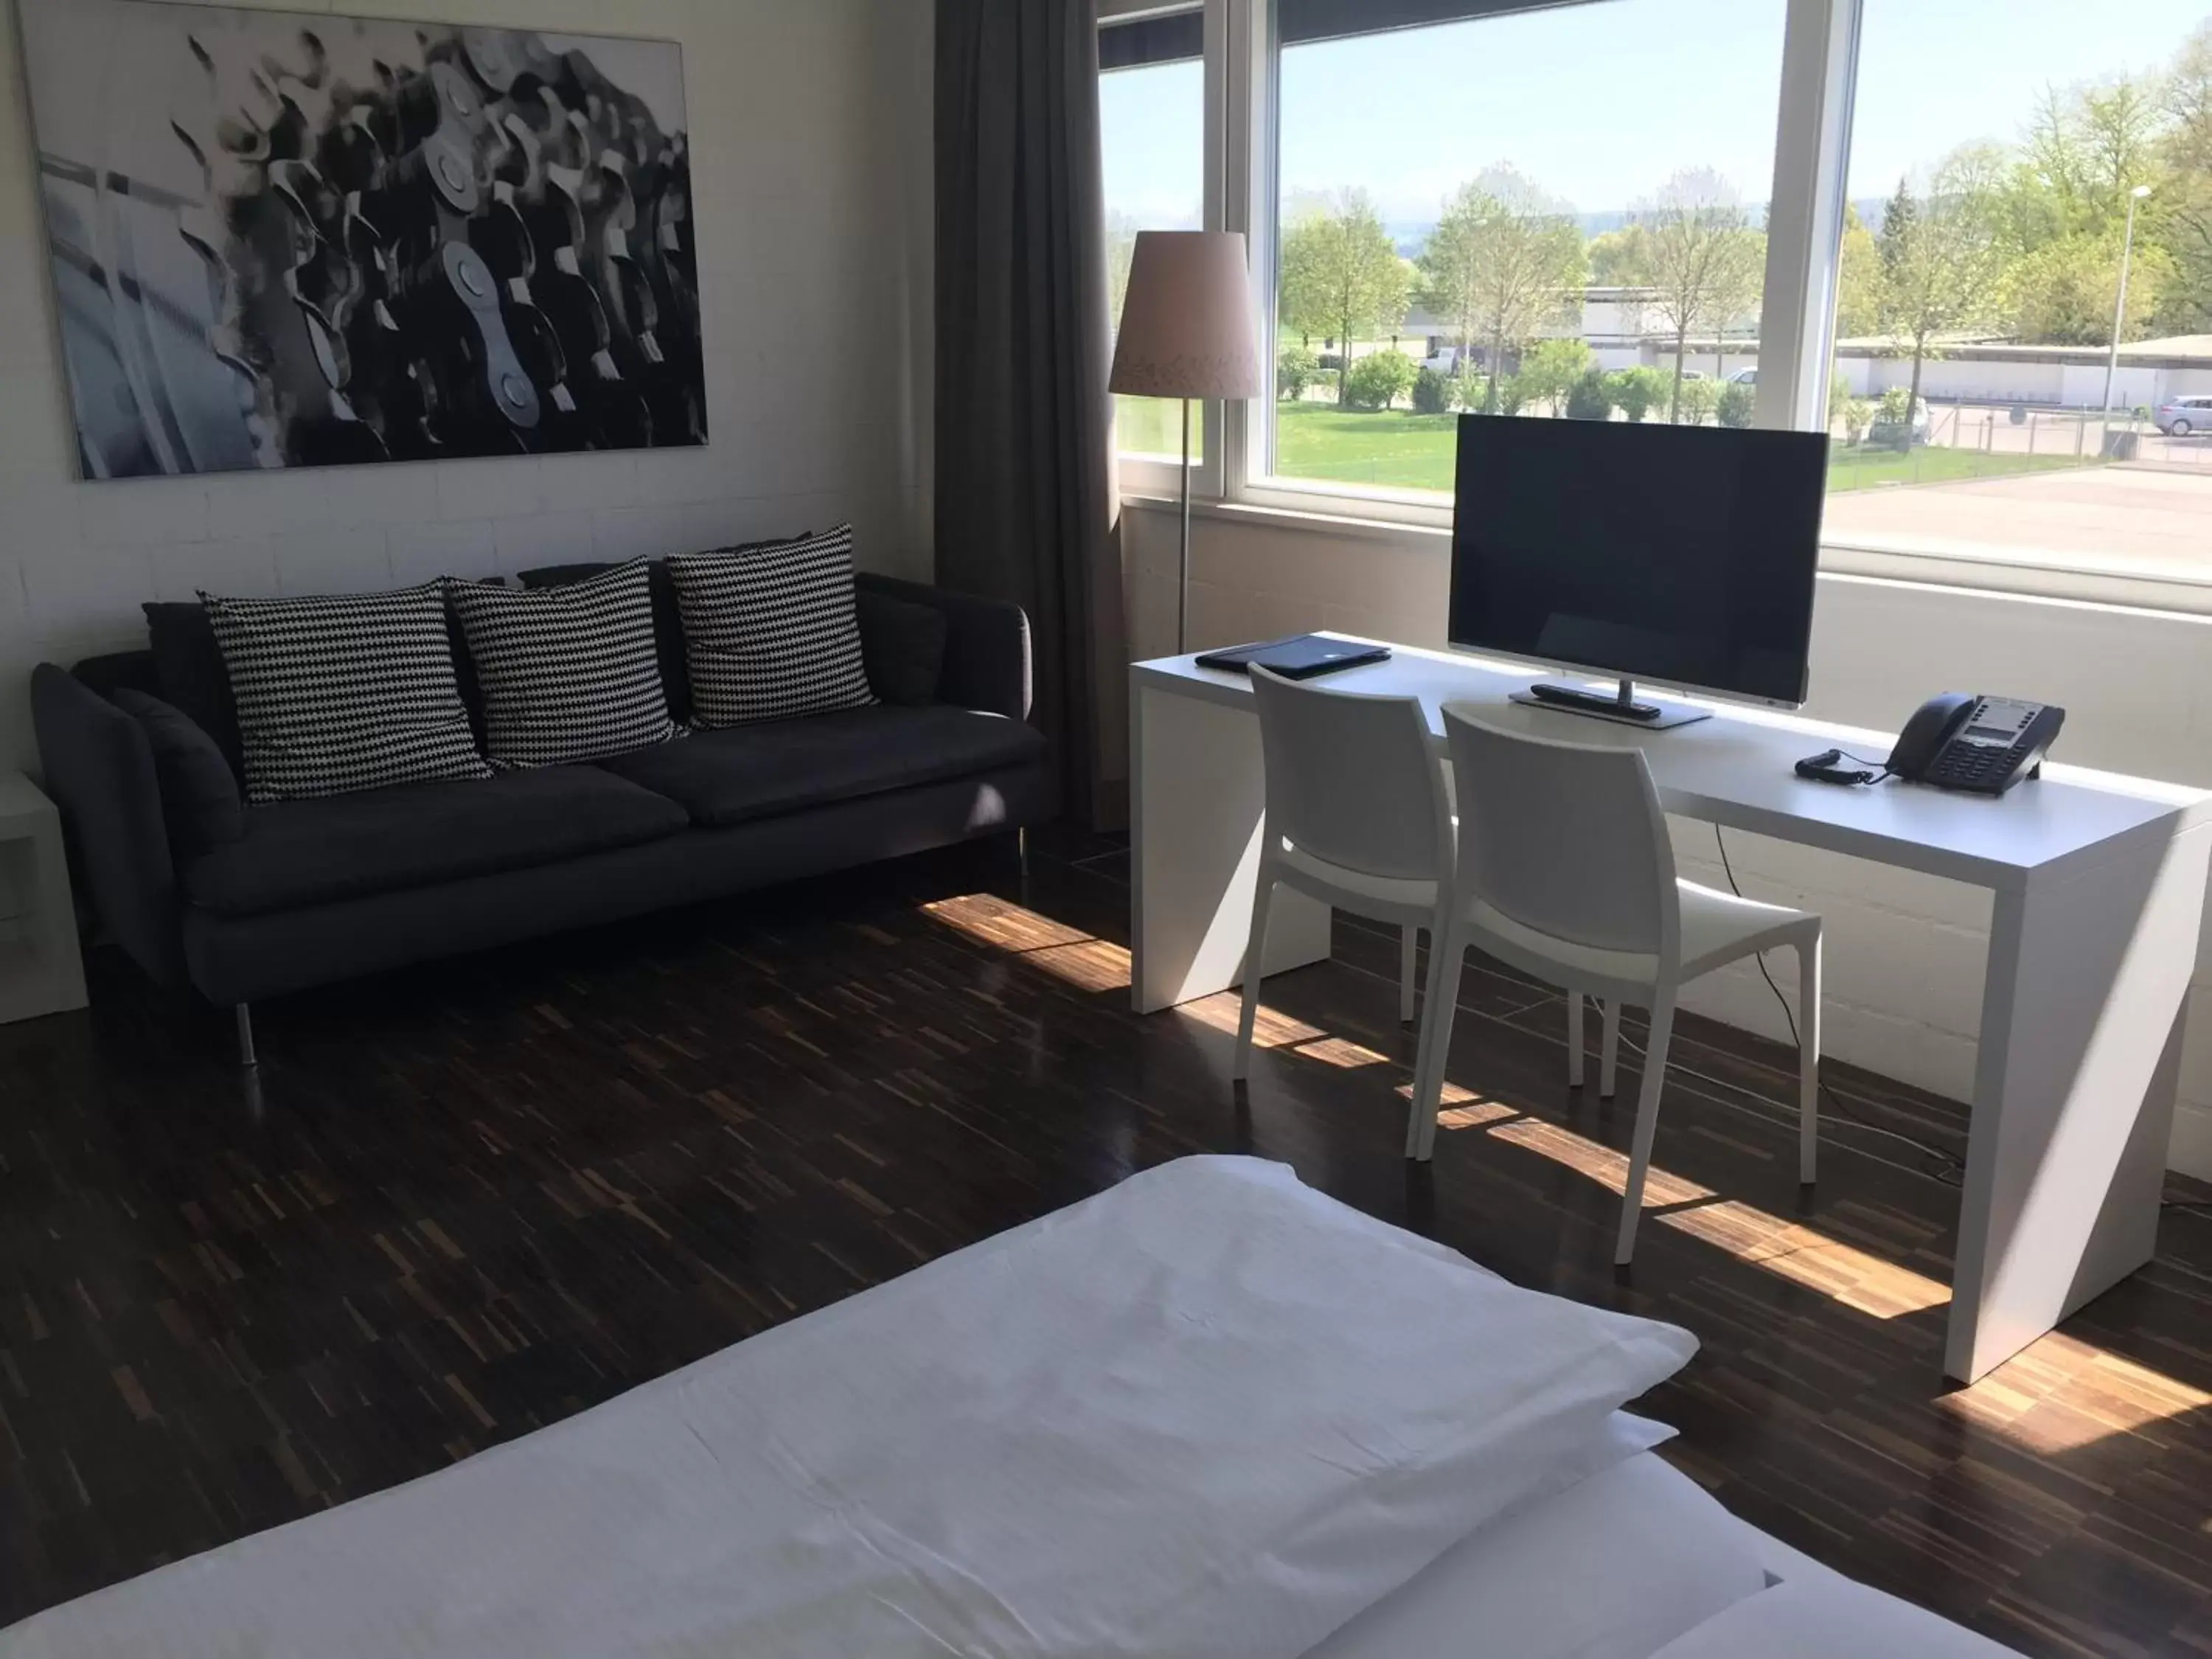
1187, 331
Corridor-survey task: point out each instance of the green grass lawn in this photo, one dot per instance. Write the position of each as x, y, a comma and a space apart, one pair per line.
1393, 450
1384, 449
1865, 469
1153, 426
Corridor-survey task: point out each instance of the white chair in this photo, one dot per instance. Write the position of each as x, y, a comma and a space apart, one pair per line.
1357, 818
1566, 870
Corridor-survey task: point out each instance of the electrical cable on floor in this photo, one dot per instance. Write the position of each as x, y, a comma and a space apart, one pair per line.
1953, 1171
1766, 1112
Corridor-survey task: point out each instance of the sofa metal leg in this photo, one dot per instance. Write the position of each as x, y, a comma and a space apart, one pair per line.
243, 1014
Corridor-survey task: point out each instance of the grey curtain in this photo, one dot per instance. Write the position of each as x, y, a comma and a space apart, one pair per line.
1024, 496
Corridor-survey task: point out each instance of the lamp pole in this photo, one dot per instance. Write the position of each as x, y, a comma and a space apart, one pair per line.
2120, 306
1182, 568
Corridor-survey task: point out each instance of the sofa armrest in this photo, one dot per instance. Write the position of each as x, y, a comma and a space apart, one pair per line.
987, 645
99, 769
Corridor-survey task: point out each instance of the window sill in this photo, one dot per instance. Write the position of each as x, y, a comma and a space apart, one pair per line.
2073, 580
1343, 526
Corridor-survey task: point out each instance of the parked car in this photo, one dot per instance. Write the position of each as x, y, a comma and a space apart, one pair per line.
1452, 360
1890, 434
1745, 377
2180, 416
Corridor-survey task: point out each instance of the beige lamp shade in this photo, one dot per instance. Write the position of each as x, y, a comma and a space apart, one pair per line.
1187, 325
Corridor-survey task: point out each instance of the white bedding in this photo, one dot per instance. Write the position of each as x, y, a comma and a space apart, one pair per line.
1209, 1412
1828, 1617
1614, 1567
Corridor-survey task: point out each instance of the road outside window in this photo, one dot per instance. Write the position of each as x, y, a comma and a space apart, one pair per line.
2010, 161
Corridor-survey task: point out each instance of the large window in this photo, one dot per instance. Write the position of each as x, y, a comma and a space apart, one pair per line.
1988, 224
1151, 119
1977, 403
1549, 213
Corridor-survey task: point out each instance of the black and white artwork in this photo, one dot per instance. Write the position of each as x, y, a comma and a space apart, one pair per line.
281, 240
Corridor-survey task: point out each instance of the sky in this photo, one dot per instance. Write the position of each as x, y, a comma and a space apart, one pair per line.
1599, 103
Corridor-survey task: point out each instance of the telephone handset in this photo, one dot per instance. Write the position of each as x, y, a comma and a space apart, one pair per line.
1985, 744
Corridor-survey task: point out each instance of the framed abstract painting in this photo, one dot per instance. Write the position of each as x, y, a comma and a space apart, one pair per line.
281, 239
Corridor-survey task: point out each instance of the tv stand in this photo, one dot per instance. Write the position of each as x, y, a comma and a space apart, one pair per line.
1621, 706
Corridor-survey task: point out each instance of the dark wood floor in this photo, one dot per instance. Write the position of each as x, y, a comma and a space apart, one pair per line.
469, 1199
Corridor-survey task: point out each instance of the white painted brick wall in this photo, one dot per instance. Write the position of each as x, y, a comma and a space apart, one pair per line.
811, 142
1905, 951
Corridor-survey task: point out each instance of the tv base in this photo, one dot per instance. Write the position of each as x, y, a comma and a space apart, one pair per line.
1623, 708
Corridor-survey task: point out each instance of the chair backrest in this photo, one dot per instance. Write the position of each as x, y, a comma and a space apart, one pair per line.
1565, 838
1352, 779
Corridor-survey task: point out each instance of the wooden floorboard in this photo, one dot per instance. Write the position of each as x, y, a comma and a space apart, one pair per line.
462, 1202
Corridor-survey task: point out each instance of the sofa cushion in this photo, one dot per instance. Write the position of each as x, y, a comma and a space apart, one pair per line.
773, 767
903, 647
411, 834
667, 621
189, 675
769, 631
199, 792
344, 692
567, 673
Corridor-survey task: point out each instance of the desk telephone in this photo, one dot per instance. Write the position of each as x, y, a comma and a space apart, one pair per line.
1957, 741
1985, 744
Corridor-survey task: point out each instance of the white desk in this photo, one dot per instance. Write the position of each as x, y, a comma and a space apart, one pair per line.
2099, 885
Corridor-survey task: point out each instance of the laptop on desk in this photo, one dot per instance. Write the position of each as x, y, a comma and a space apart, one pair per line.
1296, 657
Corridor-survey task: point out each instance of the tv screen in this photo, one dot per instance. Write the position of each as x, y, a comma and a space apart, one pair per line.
1647, 551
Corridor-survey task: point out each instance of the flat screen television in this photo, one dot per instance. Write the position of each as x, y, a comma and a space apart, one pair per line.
1683, 555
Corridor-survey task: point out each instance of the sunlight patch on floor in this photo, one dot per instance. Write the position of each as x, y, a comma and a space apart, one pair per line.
1851, 1277
1271, 1027
2060, 1393
1068, 954
1789, 1249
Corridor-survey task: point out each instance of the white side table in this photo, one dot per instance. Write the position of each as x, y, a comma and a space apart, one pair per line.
40, 969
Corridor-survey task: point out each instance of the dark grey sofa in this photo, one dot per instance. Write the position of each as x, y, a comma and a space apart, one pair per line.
315, 891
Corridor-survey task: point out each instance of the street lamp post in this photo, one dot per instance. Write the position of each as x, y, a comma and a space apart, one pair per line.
2120, 307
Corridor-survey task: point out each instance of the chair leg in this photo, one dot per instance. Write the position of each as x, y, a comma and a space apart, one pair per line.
1608, 1062
1405, 973
1574, 1039
242, 1015
1256, 950
1809, 1056
1647, 1122
1447, 954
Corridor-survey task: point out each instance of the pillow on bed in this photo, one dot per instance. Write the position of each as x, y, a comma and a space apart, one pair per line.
1614, 1567
1829, 1617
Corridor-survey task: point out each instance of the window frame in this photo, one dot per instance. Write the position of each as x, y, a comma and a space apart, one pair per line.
1807, 197
1146, 474
1804, 246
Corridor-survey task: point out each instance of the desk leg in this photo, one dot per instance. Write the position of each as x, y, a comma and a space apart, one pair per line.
2073, 1087
1197, 795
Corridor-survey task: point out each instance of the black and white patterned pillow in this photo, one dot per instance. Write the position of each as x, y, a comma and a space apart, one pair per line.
567, 673
769, 631
354, 691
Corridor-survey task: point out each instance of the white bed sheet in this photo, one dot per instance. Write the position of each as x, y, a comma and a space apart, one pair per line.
1207, 1413
1614, 1567
1827, 1616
